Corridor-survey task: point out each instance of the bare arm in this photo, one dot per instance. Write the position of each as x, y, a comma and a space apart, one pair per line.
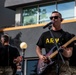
39, 53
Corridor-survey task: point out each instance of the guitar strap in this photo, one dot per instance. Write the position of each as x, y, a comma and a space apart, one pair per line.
62, 38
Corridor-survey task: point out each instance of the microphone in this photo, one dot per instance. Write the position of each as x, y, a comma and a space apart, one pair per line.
49, 24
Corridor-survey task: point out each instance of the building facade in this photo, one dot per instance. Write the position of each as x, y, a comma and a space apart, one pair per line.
6, 16
30, 17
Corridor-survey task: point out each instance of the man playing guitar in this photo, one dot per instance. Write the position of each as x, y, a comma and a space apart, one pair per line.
47, 41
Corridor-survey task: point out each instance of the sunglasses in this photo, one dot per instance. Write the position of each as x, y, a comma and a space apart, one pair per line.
55, 17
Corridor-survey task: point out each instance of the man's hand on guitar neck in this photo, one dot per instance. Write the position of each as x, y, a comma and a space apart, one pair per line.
67, 52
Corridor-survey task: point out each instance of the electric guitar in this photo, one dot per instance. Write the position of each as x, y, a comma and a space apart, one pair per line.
41, 67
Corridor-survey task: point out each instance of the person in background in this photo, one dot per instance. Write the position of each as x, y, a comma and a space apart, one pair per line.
9, 57
46, 40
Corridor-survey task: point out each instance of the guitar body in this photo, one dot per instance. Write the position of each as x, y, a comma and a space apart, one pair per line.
42, 66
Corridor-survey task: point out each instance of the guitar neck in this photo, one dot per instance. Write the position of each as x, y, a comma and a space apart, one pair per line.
69, 42
65, 45
53, 54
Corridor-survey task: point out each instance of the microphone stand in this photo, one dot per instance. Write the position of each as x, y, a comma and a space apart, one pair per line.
59, 54
23, 61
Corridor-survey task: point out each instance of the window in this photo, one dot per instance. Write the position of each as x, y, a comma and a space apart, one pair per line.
37, 14
31, 67
45, 12
29, 16
41, 13
67, 9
